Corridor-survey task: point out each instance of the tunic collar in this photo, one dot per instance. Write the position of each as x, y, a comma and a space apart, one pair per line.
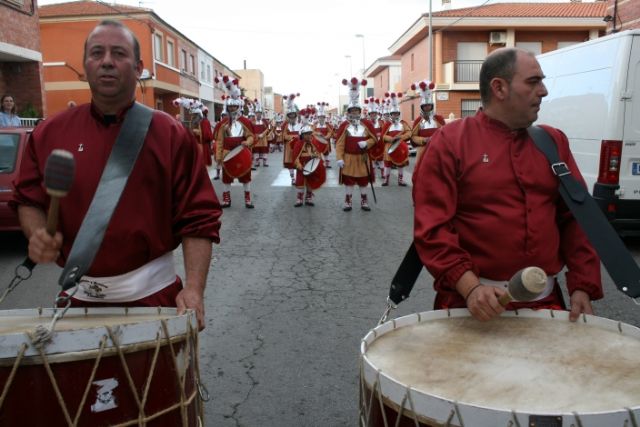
108, 119
499, 126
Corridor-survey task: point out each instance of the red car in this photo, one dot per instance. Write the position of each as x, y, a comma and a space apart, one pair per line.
12, 146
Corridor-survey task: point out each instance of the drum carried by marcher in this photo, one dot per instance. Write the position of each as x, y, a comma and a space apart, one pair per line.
237, 162
524, 368
102, 367
315, 173
399, 152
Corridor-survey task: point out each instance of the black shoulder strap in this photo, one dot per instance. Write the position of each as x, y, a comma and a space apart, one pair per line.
614, 255
112, 182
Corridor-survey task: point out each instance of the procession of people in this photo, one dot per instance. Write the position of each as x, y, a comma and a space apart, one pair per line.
370, 137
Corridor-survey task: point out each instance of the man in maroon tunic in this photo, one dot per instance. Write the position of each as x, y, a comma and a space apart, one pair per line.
168, 199
487, 203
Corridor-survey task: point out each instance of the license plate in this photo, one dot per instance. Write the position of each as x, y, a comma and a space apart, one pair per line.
635, 168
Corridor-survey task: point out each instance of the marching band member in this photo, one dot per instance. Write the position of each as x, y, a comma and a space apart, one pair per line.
325, 130
290, 132
261, 128
377, 152
304, 149
354, 137
425, 125
206, 135
234, 130
397, 130
277, 133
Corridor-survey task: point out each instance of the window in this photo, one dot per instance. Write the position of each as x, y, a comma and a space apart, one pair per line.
192, 64
469, 57
201, 70
565, 44
469, 107
183, 60
209, 73
412, 62
533, 47
9, 144
171, 60
157, 46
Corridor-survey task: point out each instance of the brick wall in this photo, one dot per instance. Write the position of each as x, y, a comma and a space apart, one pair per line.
20, 25
23, 80
628, 15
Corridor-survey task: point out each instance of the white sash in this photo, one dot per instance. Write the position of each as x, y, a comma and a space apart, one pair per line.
134, 285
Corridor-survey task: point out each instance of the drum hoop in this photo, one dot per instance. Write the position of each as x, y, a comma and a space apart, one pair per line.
441, 408
233, 152
315, 162
88, 338
395, 146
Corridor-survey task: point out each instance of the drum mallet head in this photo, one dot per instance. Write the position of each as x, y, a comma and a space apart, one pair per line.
58, 178
526, 285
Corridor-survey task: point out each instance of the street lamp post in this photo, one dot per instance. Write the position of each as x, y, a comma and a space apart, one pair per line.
364, 89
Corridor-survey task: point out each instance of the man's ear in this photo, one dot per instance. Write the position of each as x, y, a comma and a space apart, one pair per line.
499, 88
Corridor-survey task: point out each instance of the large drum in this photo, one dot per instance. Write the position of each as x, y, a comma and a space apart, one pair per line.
315, 173
102, 367
237, 162
398, 152
525, 368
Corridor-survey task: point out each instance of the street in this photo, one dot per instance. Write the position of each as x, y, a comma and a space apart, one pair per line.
291, 292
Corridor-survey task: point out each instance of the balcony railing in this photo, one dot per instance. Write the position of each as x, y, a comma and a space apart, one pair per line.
467, 71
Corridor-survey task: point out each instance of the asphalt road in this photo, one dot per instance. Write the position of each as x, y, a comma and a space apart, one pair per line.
290, 294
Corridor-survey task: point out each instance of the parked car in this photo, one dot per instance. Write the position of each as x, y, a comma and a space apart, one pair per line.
12, 146
590, 99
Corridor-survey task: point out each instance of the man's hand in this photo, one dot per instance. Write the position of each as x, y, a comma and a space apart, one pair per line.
44, 248
483, 303
340, 163
580, 303
362, 144
191, 299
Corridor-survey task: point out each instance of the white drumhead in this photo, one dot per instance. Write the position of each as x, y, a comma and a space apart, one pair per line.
234, 152
81, 329
310, 166
532, 362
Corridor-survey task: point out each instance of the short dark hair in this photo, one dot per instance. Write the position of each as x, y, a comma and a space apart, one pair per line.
501, 64
117, 24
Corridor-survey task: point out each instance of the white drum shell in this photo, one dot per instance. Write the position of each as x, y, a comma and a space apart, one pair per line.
439, 409
64, 339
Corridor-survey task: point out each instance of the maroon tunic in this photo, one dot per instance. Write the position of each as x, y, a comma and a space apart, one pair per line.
487, 201
168, 194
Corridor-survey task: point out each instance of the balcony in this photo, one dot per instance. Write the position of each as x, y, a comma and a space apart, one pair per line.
462, 75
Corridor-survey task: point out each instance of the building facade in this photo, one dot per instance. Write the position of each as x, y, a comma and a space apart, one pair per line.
21, 57
462, 38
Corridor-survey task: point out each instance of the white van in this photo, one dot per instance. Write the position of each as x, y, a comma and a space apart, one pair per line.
594, 98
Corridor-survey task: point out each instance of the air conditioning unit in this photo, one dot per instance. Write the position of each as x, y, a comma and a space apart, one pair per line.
498, 37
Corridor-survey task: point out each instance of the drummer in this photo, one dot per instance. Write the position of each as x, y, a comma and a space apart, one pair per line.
290, 131
487, 203
396, 130
325, 130
353, 138
168, 199
304, 149
428, 122
235, 130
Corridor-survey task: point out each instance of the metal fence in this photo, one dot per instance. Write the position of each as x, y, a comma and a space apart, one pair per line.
28, 122
468, 71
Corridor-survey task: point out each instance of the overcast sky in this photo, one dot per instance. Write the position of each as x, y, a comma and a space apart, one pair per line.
300, 45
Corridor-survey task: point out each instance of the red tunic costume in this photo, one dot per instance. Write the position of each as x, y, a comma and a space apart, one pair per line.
389, 132
326, 131
206, 133
302, 153
289, 133
422, 131
487, 201
376, 152
228, 136
168, 194
356, 165
260, 131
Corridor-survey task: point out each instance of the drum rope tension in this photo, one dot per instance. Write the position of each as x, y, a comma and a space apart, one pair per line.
42, 335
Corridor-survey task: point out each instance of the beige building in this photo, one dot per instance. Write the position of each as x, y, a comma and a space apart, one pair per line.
252, 82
